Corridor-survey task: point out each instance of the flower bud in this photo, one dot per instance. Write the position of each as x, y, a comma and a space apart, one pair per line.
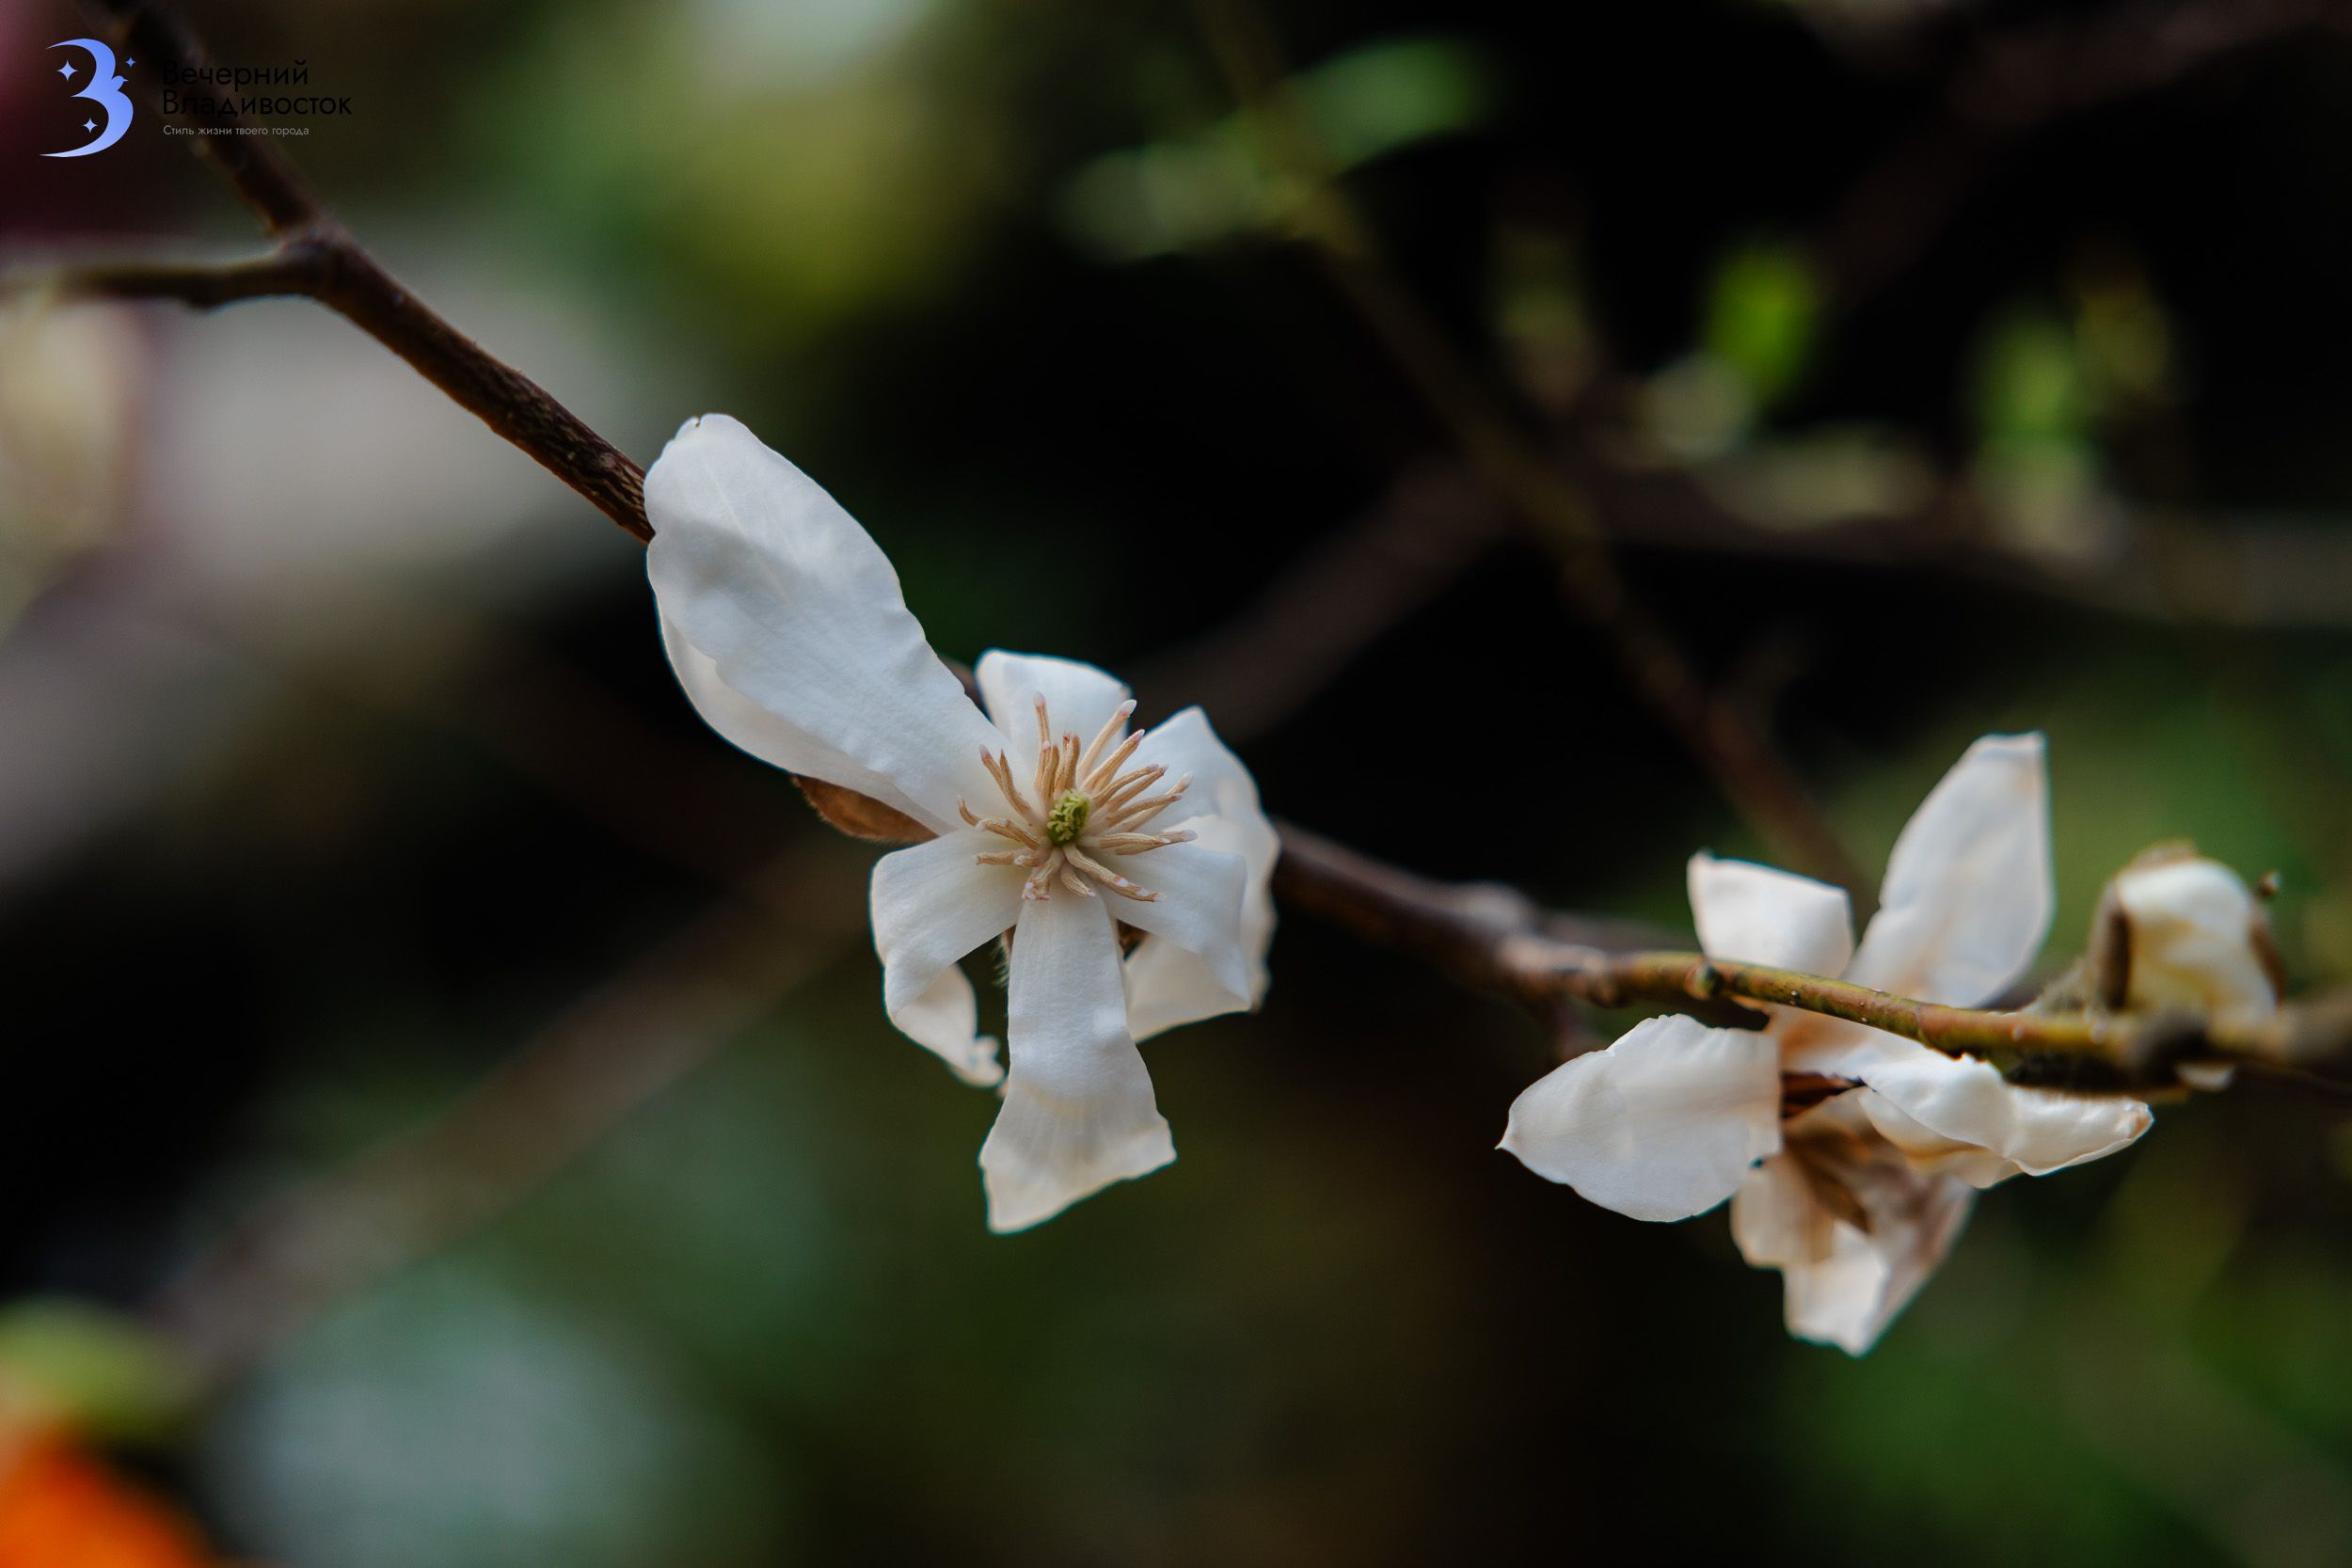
2177, 931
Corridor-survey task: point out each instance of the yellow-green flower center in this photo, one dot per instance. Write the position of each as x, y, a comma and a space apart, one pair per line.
1068, 818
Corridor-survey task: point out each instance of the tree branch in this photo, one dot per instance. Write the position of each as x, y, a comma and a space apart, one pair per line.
1491, 936
1497, 938
200, 285
317, 259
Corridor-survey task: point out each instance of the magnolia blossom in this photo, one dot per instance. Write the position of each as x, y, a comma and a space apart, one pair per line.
1125, 870
1850, 1155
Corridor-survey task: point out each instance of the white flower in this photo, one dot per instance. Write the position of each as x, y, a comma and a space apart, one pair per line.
1055, 826
1871, 1144
2193, 938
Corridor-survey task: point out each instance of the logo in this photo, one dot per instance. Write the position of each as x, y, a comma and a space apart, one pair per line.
104, 90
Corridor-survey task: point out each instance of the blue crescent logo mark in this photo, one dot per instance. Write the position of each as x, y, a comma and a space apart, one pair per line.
105, 90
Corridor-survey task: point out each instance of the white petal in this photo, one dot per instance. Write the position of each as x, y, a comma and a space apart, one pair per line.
1662, 1125
1776, 1222
1169, 986
1930, 1152
1842, 1285
1754, 915
775, 601
1966, 1101
1078, 1109
1815, 1042
1968, 893
1186, 745
2194, 927
932, 904
1079, 698
744, 723
1850, 1298
1166, 985
1197, 910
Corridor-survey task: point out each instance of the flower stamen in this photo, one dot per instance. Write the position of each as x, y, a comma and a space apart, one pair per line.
1087, 811
1119, 715
1100, 777
1128, 785
1143, 843
1149, 807
1048, 757
1108, 877
1000, 768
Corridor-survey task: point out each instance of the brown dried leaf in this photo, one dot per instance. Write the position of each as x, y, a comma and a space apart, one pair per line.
861, 815
1831, 1190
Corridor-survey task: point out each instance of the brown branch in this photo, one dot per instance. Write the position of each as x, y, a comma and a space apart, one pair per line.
321, 263
200, 285
318, 259
1497, 938
1483, 934
262, 175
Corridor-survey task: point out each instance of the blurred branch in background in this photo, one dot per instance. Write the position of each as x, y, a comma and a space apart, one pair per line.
2005, 84
1265, 662
2241, 572
1496, 444
634, 1035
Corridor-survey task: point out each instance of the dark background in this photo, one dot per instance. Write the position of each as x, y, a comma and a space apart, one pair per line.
339, 765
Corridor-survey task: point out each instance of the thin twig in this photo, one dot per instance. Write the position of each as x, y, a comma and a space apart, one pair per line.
200, 285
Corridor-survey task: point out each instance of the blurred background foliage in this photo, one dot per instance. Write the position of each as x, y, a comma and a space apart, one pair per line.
339, 765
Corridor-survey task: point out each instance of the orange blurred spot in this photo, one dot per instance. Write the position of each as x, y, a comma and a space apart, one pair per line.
60, 1508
